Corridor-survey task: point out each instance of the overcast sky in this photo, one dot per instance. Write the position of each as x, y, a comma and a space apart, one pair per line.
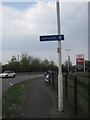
24, 22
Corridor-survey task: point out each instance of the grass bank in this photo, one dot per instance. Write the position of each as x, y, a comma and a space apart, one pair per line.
13, 98
81, 74
82, 95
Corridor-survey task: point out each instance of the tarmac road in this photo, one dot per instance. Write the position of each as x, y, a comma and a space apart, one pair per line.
40, 102
6, 83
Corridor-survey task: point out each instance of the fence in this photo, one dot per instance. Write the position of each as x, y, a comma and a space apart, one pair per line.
77, 92
53, 81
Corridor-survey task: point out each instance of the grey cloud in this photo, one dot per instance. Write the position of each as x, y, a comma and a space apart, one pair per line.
23, 34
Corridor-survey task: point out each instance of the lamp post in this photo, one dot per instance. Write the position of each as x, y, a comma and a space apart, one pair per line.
68, 58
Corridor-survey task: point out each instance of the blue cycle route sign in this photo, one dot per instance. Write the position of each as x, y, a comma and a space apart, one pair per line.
51, 38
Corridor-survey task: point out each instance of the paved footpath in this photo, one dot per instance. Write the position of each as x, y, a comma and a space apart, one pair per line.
40, 102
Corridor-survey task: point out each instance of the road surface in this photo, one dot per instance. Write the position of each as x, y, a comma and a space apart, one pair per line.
40, 102
6, 83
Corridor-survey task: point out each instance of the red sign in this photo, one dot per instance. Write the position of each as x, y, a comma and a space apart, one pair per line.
80, 60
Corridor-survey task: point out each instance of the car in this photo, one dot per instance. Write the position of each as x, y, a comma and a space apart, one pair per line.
7, 74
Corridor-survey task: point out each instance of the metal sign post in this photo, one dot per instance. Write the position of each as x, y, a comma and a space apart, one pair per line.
58, 38
60, 80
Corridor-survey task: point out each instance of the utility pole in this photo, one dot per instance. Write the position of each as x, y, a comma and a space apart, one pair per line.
60, 79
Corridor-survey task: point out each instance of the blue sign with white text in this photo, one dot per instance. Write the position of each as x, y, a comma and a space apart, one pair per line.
52, 38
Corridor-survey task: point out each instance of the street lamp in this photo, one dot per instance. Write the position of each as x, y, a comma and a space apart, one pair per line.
68, 58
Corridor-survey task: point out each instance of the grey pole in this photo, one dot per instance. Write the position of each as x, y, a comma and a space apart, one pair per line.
60, 80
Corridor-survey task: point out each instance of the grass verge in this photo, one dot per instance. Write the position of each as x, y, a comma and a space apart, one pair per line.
81, 74
69, 104
13, 98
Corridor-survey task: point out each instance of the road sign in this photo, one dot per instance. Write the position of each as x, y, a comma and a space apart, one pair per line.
80, 60
52, 38
80, 64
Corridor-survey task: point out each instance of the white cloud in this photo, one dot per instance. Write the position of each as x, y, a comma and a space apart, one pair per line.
22, 28
0, 33
45, 0
26, 26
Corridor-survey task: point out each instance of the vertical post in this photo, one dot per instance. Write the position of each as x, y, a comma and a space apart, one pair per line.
49, 77
53, 79
66, 89
60, 81
88, 59
75, 95
88, 98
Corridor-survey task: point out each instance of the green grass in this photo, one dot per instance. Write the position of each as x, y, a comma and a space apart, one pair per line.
68, 108
82, 93
55, 89
68, 104
81, 74
13, 98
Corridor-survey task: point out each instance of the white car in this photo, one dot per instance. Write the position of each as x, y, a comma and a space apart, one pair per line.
7, 74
